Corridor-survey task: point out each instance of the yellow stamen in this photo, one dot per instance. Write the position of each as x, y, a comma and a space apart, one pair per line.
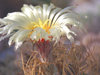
42, 25
40, 22
45, 23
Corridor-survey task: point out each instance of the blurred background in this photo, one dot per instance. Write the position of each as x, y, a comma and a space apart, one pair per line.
90, 9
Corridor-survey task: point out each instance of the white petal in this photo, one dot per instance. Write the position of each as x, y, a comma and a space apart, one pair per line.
33, 36
55, 32
13, 28
68, 32
8, 26
19, 17
7, 21
35, 12
41, 32
45, 6
3, 37
5, 29
71, 22
22, 35
69, 8
60, 13
1, 25
13, 37
52, 15
17, 45
37, 37
38, 8
39, 29
2, 22
49, 10
46, 36
69, 15
40, 13
1, 29
28, 11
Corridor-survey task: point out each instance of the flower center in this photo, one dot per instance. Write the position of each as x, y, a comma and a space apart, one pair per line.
42, 25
